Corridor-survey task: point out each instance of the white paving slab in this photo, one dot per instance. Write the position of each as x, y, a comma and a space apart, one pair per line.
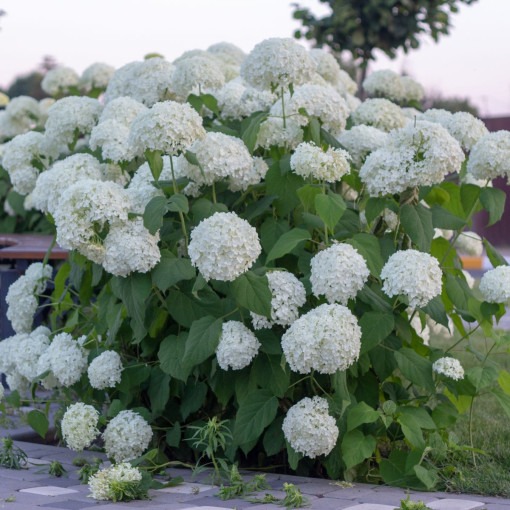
455, 504
370, 506
49, 490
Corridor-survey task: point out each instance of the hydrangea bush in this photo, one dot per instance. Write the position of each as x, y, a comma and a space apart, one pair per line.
250, 245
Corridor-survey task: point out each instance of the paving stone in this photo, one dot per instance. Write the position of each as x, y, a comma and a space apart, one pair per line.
351, 493
496, 506
455, 504
394, 498
317, 488
493, 499
212, 502
49, 490
370, 506
69, 505
330, 504
186, 488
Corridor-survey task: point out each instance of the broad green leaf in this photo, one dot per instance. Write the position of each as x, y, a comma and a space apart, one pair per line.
159, 390
339, 384
435, 310
427, 476
493, 200
359, 414
249, 135
504, 381
330, 208
38, 421
171, 270
412, 430
481, 377
285, 186
293, 457
257, 208
274, 440
202, 340
178, 203
203, 208
255, 413
375, 327
469, 194
415, 368
495, 258
170, 354
442, 218
356, 447
173, 435
196, 102
315, 130
210, 102
417, 223
374, 207
153, 214
457, 290
193, 397
445, 415
503, 399
420, 414
252, 292
287, 242
328, 138
270, 374
155, 160
369, 248
307, 196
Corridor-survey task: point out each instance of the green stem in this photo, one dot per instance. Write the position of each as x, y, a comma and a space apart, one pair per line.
471, 429
50, 249
213, 193
467, 335
181, 216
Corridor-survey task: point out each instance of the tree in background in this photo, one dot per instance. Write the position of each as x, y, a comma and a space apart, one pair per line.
363, 26
30, 84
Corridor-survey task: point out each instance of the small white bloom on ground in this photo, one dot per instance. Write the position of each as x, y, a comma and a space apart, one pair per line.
102, 483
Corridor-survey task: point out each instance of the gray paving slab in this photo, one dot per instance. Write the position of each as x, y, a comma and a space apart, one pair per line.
370, 506
456, 504
394, 497
352, 493
317, 488
496, 506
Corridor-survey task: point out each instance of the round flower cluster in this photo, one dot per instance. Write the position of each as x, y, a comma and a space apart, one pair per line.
168, 126
379, 113
361, 140
79, 426
413, 91
327, 65
96, 76
325, 339
387, 83
27, 351
469, 243
105, 371
67, 358
495, 285
338, 273
466, 129
490, 156
59, 80
310, 160
276, 63
272, 132
127, 436
237, 346
21, 297
287, 295
113, 139
309, 428
242, 181
450, 367
227, 52
420, 154
24, 109
414, 274
196, 74
223, 246
100, 483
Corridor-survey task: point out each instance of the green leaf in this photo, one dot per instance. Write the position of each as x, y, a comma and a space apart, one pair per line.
255, 413
171, 270
285, 186
374, 207
196, 102
287, 242
315, 130
415, 368
504, 381
159, 390
469, 194
419, 414
442, 218
375, 327
173, 435
193, 397
495, 258
369, 248
210, 102
202, 341
329, 139
153, 214
339, 384
307, 196
252, 292
503, 399
411, 430
359, 414
274, 440
155, 161
203, 208
38, 421
257, 208
493, 200
170, 354
481, 377
270, 374
330, 208
435, 309
417, 223
427, 476
178, 203
293, 457
356, 447
249, 135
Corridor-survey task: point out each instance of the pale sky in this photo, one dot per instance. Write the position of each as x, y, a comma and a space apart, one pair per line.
472, 62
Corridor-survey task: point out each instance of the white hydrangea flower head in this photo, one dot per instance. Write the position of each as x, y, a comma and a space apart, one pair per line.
469, 178
390, 218
79, 426
272, 132
411, 113
28, 351
437, 115
100, 483
168, 126
50, 382
241, 182
347, 83
44, 105
325, 339
141, 190
414, 274
330, 165
9, 127
70, 115
495, 285
122, 109
309, 428
113, 139
127, 436
17, 382
450, 367
422, 330
276, 63
466, 129
237, 346
352, 102
379, 113
420, 154
24, 109
7, 347
321, 102
229, 100
68, 359
58, 80
21, 297
130, 247
287, 295
85, 207
19, 156
384, 83
327, 65
490, 156
227, 52
338, 272
196, 53
221, 156
119, 83
96, 76
53, 182
114, 173
413, 91
196, 74
223, 246
469, 243
105, 370
361, 140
